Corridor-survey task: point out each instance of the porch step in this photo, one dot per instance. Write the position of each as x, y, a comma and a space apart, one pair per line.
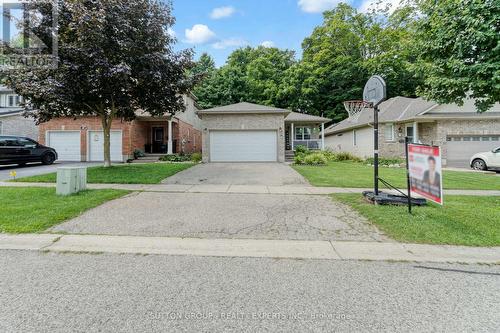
148, 158
289, 155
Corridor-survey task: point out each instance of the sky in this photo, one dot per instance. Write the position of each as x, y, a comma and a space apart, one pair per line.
218, 27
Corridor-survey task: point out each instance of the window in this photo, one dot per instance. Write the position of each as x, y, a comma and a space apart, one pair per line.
389, 132
410, 133
26, 142
354, 138
302, 133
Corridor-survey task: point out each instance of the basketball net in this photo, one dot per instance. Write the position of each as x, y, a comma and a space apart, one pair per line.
354, 108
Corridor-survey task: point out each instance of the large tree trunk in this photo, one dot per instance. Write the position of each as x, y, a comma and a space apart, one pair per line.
107, 119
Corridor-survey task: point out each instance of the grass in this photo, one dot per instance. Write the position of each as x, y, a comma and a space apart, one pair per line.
352, 174
464, 220
152, 173
34, 209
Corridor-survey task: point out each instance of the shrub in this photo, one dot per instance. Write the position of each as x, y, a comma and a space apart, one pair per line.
386, 161
330, 156
301, 150
138, 153
299, 159
315, 159
175, 158
196, 157
345, 156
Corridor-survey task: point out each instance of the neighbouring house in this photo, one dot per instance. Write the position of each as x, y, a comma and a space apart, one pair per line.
460, 130
81, 138
246, 132
12, 120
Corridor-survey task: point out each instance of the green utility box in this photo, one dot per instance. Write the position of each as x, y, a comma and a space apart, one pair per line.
71, 180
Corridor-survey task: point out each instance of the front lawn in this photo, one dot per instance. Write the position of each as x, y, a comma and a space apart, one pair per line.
152, 173
34, 209
351, 174
463, 220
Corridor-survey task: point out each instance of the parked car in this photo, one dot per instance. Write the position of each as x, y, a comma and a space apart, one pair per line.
489, 160
21, 150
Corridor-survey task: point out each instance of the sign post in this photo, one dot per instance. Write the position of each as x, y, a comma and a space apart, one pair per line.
408, 180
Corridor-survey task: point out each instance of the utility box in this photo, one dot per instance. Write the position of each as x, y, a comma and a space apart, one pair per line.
71, 180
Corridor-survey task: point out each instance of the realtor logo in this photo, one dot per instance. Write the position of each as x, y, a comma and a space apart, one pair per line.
29, 34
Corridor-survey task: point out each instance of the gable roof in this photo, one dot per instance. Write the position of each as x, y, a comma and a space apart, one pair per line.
403, 109
243, 107
303, 117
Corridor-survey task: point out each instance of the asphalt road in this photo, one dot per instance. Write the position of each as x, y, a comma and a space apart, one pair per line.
44, 292
34, 169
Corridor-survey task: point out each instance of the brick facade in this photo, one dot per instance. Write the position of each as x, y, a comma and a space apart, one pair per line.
135, 134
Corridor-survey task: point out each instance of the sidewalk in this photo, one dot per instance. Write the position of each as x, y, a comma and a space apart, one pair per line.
245, 189
289, 249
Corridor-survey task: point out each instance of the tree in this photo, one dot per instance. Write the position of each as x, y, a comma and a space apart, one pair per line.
343, 52
459, 46
250, 74
115, 56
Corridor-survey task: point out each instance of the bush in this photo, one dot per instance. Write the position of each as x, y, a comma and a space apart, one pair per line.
315, 159
299, 159
301, 150
196, 157
175, 158
345, 156
138, 153
387, 161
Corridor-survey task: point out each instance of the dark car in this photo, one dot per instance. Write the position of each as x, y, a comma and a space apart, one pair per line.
21, 150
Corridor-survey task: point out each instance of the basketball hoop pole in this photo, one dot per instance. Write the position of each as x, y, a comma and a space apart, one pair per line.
375, 150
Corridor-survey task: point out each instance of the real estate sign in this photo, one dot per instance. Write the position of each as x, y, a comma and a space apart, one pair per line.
426, 176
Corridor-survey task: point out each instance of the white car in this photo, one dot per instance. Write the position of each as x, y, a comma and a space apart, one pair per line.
489, 160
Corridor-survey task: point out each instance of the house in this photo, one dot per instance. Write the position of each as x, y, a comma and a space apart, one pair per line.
12, 120
246, 132
460, 130
81, 139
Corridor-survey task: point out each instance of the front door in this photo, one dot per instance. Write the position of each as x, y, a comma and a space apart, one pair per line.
158, 135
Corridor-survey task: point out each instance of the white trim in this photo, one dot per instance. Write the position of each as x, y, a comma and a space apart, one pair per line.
1, 127
170, 146
292, 136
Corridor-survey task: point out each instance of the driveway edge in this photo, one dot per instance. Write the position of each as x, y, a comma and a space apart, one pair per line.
251, 248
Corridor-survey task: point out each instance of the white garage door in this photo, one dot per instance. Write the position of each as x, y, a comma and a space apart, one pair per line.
96, 146
460, 148
66, 144
243, 146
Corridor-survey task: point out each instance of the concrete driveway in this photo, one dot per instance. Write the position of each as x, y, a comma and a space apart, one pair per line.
35, 169
271, 174
224, 215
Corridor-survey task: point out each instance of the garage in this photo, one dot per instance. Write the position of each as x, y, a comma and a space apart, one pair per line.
66, 143
96, 146
243, 146
461, 148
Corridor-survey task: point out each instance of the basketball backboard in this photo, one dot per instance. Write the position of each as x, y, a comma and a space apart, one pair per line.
375, 90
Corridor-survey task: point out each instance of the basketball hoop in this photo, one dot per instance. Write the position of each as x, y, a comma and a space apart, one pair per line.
354, 108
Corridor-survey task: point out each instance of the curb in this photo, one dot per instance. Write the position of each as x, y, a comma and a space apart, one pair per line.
251, 248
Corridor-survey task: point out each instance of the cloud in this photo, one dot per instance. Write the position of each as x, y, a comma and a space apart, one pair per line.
317, 6
230, 42
199, 34
267, 43
367, 5
221, 12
